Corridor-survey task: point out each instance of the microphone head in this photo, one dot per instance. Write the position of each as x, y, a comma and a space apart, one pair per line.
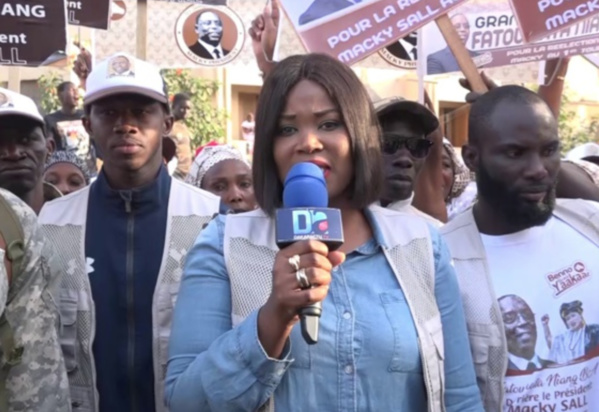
305, 186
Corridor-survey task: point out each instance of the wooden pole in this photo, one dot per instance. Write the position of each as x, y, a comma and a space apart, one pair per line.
14, 79
461, 54
142, 29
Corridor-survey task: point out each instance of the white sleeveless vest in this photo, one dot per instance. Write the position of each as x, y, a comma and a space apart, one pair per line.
63, 221
250, 249
483, 315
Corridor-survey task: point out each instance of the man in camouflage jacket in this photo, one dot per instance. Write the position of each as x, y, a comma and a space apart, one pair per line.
36, 379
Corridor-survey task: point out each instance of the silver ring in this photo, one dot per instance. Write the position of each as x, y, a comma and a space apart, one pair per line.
302, 279
294, 261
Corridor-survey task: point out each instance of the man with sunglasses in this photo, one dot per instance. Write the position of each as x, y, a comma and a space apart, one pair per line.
405, 125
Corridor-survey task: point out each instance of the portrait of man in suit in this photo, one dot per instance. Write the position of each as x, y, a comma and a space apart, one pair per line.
444, 61
405, 48
521, 334
209, 28
323, 8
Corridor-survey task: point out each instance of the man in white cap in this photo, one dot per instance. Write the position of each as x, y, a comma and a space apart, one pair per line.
23, 150
122, 242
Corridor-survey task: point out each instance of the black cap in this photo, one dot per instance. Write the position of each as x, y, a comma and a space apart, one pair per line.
401, 106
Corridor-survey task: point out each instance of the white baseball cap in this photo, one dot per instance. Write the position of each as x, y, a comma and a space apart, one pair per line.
583, 151
123, 73
12, 103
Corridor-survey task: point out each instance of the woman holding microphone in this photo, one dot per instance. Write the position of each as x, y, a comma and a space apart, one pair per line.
392, 331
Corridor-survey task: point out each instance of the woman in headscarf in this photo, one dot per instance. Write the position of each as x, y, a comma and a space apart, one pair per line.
223, 170
392, 330
578, 340
459, 189
66, 172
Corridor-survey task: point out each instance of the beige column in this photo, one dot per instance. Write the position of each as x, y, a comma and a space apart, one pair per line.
14, 78
142, 29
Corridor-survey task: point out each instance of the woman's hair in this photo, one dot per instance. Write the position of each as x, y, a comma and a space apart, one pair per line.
63, 156
351, 99
208, 158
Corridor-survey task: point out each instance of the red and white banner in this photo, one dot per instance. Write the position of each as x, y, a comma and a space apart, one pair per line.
351, 30
539, 18
491, 33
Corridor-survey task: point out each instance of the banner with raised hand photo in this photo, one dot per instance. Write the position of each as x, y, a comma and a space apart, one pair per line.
490, 32
89, 13
32, 34
351, 30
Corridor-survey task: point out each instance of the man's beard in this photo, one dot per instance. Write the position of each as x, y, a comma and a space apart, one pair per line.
506, 200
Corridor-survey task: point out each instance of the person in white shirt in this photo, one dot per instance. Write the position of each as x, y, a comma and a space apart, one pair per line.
209, 28
519, 241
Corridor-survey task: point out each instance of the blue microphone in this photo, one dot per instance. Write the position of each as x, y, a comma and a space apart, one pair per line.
305, 215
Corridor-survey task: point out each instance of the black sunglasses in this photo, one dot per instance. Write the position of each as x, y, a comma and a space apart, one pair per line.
417, 147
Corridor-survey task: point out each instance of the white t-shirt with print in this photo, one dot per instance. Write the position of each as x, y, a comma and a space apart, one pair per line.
534, 273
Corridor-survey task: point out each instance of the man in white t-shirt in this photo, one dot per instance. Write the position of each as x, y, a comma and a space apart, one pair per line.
520, 255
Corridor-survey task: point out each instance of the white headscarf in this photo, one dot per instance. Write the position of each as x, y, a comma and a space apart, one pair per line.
208, 158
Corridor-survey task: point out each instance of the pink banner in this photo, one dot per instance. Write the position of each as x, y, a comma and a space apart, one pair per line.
538, 18
491, 34
351, 30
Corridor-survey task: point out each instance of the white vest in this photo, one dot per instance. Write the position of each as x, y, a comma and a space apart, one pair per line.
64, 222
250, 249
483, 315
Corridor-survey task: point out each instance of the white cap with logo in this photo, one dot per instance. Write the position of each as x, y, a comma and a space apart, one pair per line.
12, 103
123, 73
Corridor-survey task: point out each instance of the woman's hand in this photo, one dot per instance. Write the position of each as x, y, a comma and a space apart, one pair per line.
279, 314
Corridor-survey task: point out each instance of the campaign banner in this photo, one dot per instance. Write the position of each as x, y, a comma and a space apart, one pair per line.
351, 30
31, 31
538, 18
89, 13
490, 32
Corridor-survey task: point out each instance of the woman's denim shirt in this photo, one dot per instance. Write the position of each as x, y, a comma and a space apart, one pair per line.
367, 357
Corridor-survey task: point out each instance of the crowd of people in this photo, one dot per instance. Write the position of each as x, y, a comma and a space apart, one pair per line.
140, 275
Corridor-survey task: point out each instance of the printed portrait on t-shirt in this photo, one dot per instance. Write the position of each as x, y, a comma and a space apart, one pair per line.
521, 334
578, 340
76, 137
546, 283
